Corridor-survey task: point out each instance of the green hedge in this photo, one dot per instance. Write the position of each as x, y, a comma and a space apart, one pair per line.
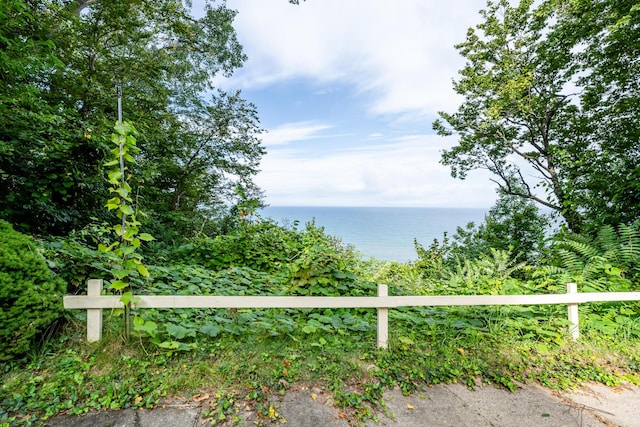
30, 293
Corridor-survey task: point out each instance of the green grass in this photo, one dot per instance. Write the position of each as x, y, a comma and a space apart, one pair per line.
247, 366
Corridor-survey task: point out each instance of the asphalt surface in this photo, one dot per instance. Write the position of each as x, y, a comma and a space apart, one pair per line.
441, 406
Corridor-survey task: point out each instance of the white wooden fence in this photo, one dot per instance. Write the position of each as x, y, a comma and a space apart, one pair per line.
94, 303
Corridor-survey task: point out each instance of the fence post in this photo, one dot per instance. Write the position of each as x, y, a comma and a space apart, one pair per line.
383, 318
94, 315
574, 329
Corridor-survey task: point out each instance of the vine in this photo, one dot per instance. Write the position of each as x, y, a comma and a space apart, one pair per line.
128, 237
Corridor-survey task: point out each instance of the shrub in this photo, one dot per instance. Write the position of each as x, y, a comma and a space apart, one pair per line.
262, 246
30, 293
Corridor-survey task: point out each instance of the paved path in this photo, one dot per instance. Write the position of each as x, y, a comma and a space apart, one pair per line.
444, 405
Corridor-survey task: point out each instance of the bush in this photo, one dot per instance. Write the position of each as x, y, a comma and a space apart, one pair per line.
262, 246
30, 293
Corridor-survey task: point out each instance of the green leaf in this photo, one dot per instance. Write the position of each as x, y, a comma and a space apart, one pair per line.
118, 285
177, 331
118, 229
123, 192
128, 250
146, 237
143, 270
170, 345
126, 209
128, 298
115, 177
120, 273
148, 327
130, 264
309, 329
210, 330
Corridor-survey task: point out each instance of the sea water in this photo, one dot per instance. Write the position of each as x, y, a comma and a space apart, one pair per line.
386, 233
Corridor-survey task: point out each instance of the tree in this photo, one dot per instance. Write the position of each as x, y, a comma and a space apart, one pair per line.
164, 59
208, 160
32, 138
531, 117
513, 224
609, 78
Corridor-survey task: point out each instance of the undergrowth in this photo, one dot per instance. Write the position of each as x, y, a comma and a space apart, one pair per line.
248, 366
231, 359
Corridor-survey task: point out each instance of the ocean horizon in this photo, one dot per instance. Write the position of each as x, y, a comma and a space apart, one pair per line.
385, 233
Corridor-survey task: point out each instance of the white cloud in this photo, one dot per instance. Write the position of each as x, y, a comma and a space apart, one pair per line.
398, 58
400, 52
291, 132
405, 172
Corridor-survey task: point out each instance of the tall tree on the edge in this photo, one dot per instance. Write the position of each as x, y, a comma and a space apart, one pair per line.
57, 111
551, 107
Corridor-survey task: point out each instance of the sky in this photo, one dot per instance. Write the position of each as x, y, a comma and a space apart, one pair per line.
347, 91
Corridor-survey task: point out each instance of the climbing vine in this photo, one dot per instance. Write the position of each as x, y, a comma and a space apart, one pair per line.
127, 235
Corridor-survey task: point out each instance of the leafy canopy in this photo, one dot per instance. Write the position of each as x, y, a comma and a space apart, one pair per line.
550, 106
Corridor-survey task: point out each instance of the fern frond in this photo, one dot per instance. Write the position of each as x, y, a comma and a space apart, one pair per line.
586, 250
570, 260
629, 250
607, 239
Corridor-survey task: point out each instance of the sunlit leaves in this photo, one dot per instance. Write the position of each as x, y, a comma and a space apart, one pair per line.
550, 106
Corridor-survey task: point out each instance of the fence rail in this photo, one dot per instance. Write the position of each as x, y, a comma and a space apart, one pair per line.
94, 303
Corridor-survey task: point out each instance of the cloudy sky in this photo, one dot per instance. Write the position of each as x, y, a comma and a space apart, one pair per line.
347, 90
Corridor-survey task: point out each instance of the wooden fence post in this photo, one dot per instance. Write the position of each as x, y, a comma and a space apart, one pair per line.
94, 315
383, 318
574, 329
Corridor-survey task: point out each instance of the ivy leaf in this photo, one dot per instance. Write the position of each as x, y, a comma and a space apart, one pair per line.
128, 298
122, 192
128, 250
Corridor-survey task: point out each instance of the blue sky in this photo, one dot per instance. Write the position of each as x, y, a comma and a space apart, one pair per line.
347, 91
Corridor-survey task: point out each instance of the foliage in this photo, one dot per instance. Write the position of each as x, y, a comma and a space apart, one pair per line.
609, 262
183, 329
259, 244
60, 67
127, 232
428, 346
128, 237
38, 165
192, 353
30, 293
606, 74
521, 121
512, 224
325, 267
76, 259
